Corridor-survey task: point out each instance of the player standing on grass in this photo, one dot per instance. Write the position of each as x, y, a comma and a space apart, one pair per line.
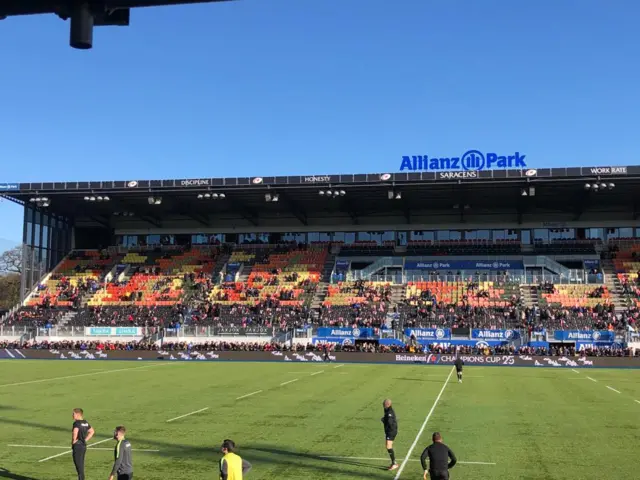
123, 463
232, 466
459, 363
81, 433
325, 349
390, 431
439, 455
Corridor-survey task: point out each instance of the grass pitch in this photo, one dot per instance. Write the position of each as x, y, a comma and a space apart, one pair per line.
507, 423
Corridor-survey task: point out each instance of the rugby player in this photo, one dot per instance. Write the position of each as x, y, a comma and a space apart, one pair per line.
390, 431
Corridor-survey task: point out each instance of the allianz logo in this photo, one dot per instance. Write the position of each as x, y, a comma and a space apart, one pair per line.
438, 333
498, 334
342, 333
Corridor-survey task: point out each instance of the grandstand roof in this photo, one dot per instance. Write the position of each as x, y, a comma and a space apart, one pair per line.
37, 7
426, 197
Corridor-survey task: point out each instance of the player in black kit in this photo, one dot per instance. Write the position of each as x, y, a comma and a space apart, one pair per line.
80, 435
390, 431
439, 455
459, 363
325, 349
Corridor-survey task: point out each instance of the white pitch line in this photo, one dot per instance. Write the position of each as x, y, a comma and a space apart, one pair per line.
63, 448
637, 401
409, 459
574, 370
338, 366
79, 375
290, 381
187, 414
36, 446
424, 425
69, 451
613, 389
593, 380
249, 394
317, 373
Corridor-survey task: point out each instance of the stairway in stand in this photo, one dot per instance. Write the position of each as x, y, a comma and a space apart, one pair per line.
321, 293
221, 261
529, 295
614, 286
325, 281
67, 317
398, 294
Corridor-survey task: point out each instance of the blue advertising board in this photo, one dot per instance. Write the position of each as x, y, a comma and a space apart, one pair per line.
463, 343
345, 332
113, 331
464, 265
591, 263
503, 335
588, 336
580, 346
428, 333
538, 344
333, 340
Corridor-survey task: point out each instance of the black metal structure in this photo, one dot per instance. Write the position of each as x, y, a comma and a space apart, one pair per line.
512, 197
86, 14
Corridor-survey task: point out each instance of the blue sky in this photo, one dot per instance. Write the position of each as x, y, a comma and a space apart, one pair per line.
277, 87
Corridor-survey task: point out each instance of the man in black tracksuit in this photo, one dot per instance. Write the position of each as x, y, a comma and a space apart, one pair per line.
459, 363
81, 433
390, 431
439, 455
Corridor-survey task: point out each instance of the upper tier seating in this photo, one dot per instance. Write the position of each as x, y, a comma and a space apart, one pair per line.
360, 302
627, 267
289, 276
464, 247
79, 273
158, 278
577, 296
475, 294
565, 247
363, 249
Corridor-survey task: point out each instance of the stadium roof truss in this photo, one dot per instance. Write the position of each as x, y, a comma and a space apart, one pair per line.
361, 201
87, 14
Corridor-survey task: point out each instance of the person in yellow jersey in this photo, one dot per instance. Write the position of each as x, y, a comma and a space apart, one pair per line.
232, 466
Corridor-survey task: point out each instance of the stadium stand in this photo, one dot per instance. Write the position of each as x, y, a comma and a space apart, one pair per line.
361, 262
356, 303
274, 285
78, 275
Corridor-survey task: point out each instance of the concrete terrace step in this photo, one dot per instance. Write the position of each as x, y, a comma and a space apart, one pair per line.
321, 294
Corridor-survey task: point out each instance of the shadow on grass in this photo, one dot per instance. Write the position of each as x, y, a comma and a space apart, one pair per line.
430, 380
279, 457
4, 473
279, 451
